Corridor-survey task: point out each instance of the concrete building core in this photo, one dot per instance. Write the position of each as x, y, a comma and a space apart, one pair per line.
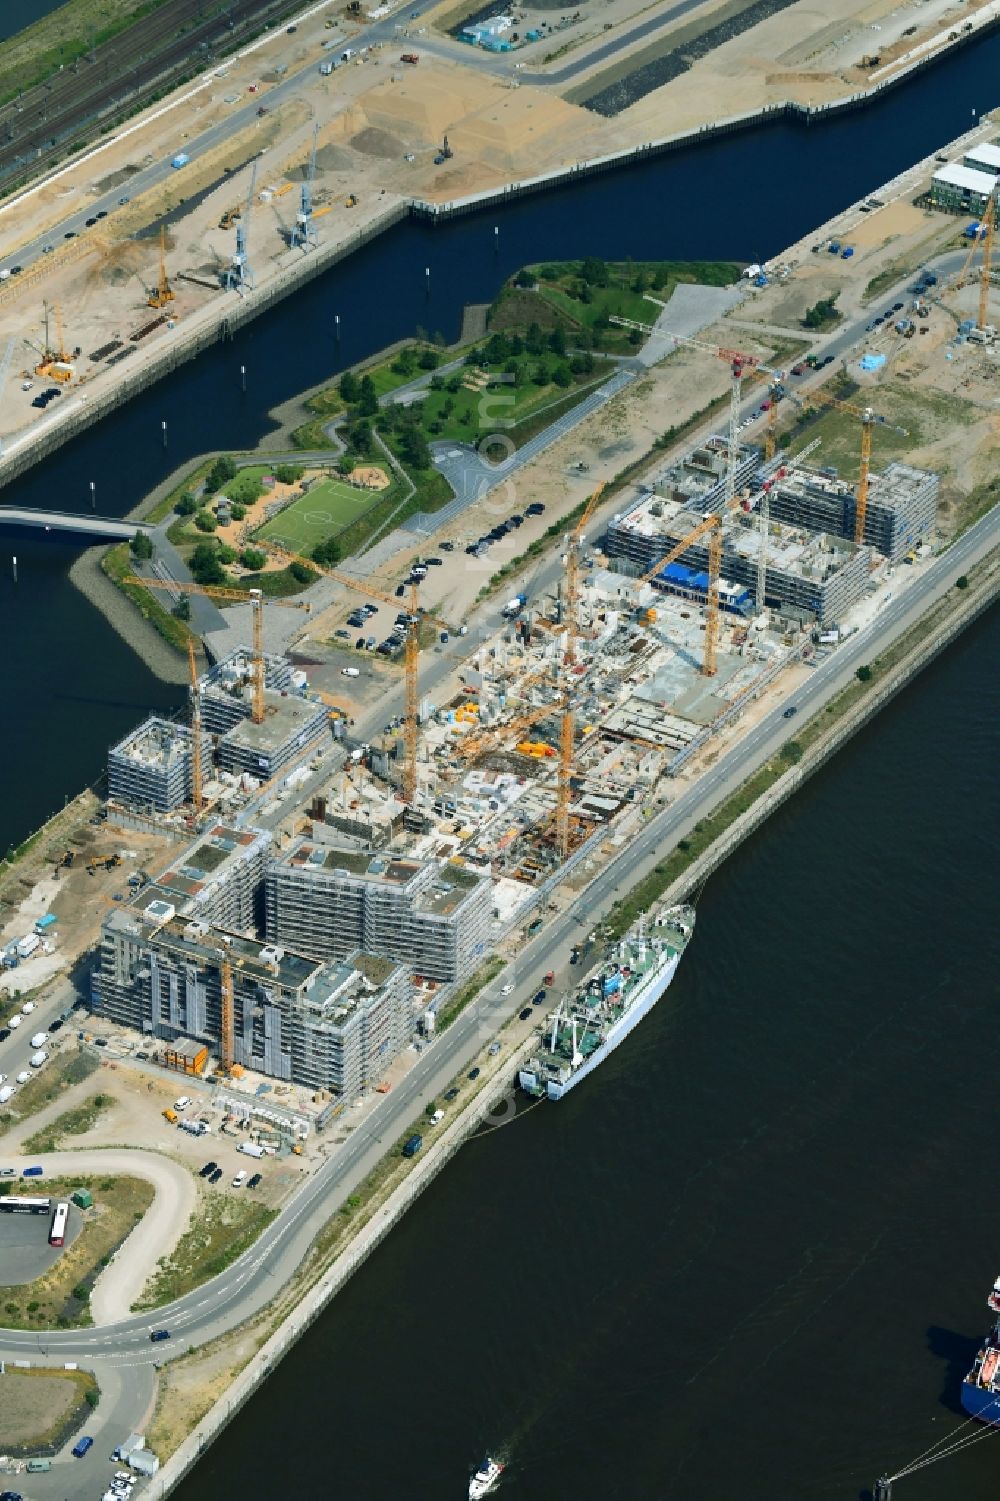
334, 1026
150, 771
698, 478
264, 750
227, 688
434, 917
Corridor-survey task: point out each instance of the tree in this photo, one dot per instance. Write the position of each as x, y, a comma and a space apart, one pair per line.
961, 582
367, 398
864, 674
792, 752
186, 504
205, 566
288, 474
360, 436
253, 558
822, 312
557, 341
595, 272
349, 387
182, 609
405, 362
562, 375
301, 573
429, 358
205, 521
221, 472
227, 554
237, 511
534, 339
141, 545
327, 553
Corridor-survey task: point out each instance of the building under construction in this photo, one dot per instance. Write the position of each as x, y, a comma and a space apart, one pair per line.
326, 1025
823, 573
227, 688
901, 509
433, 916
151, 770
218, 879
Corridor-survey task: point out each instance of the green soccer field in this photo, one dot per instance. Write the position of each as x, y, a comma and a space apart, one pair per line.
329, 506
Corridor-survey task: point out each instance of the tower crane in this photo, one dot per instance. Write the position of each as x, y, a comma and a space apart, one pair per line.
240, 272
985, 270
164, 291
762, 500
253, 597
55, 362
869, 420
196, 785
711, 524
8, 355
226, 1045
572, 570
303, 231
739, 363
411, 657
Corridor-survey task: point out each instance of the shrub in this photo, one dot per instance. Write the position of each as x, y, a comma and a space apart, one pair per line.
221, 472
186, 504
961, 582
349, 387
253, 558
205, 566
288, 474
429, 359
327, 553
300, 573
141, 545
227, 554
864, 674
205, 521
237, 511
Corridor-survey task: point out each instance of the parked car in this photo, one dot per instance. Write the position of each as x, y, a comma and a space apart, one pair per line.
473, 1073
525, 1014
538, 997
32, 1172
345, 634
506, 989
240, 1178
214, 1177
451, 1094
57, 1024
254, 1181
208, 1169
82, 1445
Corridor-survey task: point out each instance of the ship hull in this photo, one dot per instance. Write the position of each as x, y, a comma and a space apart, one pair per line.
979, 1402
644, 1002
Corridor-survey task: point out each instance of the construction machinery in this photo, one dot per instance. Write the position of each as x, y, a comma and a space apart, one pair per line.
239, 274
164, 291
252, 597
740, 363
102, 862
869, 420
56, 363
303, 232
196, 784
417, 615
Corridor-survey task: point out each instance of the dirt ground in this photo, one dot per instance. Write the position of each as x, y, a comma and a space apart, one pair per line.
39, 1405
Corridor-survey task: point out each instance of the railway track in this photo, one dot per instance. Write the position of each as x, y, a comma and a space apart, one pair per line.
53, 119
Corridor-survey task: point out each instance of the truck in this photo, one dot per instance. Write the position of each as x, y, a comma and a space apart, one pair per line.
514, 606
985, 335
251, 1149
326, 68
550, 977
180, 160
194, 1128
27, 945
409, 57
413, 1145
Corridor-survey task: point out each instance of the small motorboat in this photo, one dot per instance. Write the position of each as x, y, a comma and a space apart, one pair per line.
484, 1479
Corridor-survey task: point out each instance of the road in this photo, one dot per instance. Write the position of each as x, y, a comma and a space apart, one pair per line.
97, 528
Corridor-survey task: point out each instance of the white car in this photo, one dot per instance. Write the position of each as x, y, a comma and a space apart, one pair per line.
241, 1178
183, 1102
27, 1008
507, 990
23, 1076
14, 1021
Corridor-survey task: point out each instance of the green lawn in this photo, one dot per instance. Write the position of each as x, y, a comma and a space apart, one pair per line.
463, 416
328, 508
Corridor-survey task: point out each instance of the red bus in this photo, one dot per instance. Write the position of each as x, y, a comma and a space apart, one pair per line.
57, 1231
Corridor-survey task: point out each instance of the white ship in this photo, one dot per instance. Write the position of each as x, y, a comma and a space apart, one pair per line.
614, 998
484, 1479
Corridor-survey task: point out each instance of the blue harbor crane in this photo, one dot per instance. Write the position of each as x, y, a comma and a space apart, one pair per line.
304, 231
239, 275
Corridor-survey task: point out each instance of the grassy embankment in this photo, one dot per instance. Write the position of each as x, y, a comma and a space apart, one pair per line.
221, 1229
46, 1086
58, 39
60, 1297
74, 1122
42, 1408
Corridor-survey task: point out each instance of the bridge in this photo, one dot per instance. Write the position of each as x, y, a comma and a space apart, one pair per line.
78, 524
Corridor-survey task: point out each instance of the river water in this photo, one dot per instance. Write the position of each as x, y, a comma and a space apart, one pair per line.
15, 15
749, 1258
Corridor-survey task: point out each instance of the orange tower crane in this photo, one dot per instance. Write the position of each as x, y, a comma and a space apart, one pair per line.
196, 788
226, 1049
253, 597
411, 717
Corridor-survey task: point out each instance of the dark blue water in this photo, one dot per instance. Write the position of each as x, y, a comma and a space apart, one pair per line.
748, 1259
778, 183
15, 15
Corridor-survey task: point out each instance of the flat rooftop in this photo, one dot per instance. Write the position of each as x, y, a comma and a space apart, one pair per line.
452, 886
379, 867
271, 964
285, 717
157, 743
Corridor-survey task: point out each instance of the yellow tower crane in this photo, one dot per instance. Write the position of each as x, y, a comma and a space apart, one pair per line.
196, 787
164, 291
411, 716
712, 525
869, 420
253, 597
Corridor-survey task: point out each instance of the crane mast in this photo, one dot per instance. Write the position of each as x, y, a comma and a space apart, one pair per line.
227, 1048
196, 785
986, 268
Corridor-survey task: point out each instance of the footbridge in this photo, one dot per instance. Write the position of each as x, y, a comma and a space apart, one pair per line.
77, 524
